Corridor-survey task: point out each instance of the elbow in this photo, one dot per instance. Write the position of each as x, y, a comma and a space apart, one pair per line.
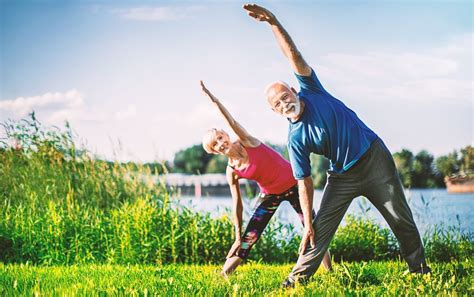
306, 183
295, 55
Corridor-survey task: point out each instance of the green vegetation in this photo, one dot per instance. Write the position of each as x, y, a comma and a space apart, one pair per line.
372, 278
424, 171
61, 206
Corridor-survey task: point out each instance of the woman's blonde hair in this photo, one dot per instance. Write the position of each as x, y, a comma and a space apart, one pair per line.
208, 138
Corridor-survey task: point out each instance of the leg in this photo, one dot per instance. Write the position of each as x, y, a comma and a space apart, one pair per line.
260, 218
337, 197
230, 265
295, 203
385, 191
327, 261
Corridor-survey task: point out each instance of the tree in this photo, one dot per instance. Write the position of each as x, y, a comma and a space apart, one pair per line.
423, 175
447, 165
319, 167
466, 162
192, 160
404, 162
217, 164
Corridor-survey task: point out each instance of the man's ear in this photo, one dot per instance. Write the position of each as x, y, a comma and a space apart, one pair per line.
293, 90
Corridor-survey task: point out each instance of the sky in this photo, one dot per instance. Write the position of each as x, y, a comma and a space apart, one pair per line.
125, 74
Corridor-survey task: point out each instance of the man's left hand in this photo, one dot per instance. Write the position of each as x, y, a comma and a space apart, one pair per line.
308, 235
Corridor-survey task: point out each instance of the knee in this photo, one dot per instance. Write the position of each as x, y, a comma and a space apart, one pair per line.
399, 226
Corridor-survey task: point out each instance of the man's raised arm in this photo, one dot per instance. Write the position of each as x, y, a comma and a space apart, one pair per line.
284, 40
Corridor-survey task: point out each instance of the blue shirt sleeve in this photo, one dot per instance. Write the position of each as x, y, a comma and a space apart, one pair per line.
299, 160
310, 83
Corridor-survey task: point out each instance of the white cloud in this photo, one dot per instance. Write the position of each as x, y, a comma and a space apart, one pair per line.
439, 74
21, 106
58, 107
155, 13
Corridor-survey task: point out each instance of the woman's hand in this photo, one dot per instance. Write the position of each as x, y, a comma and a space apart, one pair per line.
208, 93
235, 248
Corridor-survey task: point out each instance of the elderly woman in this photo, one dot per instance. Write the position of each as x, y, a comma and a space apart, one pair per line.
250, 158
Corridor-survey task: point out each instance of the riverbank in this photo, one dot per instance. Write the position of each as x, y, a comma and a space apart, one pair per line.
363, 278
430, 207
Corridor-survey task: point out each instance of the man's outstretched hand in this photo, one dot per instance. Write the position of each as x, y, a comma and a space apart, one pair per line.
259, 13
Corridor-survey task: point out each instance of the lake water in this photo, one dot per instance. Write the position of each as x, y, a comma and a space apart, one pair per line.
429, 206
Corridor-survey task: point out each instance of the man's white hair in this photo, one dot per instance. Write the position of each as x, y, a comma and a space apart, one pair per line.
279, 82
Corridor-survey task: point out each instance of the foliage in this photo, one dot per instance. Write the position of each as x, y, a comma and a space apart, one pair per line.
347, 279
217, 164
59, 205
319, 167
447, 165
466, 161
191, 160
361, 239
417, 171
448, 244
153, 167
195, 160
423, 173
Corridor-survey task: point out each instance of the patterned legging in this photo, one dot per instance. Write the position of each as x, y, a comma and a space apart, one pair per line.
265, 208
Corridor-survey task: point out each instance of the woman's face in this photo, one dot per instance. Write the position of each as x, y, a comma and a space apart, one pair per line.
220, 142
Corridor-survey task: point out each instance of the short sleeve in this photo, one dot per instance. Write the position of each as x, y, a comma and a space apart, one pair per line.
310, 83
299, 160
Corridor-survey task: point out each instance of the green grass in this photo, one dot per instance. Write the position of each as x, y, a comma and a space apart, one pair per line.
89, 227
359, 279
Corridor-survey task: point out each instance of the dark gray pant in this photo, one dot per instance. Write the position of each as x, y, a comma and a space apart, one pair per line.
375, 177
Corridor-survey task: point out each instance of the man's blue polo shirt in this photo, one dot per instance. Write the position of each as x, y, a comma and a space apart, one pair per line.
327, 127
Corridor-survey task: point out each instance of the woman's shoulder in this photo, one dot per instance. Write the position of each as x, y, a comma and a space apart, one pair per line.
252, 144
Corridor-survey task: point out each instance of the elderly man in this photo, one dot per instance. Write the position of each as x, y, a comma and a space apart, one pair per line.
360, 163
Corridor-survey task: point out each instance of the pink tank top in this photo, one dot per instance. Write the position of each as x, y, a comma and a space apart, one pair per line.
269, 169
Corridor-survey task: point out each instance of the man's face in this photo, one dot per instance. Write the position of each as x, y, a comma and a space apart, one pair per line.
283, 100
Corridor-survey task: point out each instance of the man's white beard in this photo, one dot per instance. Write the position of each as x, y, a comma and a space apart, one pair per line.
296, 110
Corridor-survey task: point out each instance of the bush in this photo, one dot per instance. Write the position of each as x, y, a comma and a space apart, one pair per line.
362, 239
447, 244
